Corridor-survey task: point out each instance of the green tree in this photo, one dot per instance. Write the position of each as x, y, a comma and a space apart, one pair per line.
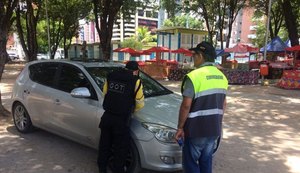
42, 38
142, 38
63, 18
144, 35
106, 12
6, 19
276, 16
183, 21
132, 43
291, 11
27, 20
213, 12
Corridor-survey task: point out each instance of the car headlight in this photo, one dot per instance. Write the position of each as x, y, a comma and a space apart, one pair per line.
161, 132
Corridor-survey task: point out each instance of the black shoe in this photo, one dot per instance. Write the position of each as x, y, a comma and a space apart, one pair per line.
102, 171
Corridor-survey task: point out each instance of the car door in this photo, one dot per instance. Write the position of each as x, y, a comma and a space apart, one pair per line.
38, 92
75, 118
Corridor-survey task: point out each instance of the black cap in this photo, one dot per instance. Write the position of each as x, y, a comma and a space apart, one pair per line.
207, 48
132, 65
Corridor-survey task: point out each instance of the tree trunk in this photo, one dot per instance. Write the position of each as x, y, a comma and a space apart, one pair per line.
31, 18
107, 18
290, 22
3, 58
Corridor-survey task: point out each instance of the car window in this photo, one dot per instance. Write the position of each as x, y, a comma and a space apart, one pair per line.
43, 73
151, 86
71, 77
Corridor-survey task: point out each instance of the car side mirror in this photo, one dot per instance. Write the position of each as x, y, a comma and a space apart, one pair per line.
81, 92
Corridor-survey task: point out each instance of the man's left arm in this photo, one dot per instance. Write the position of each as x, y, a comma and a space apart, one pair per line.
183, 115
104, 91
139, 97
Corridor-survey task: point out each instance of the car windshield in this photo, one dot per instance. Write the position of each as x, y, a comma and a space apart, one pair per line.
151, 87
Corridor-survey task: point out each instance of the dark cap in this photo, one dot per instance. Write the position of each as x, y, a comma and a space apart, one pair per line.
132, 65
207, 48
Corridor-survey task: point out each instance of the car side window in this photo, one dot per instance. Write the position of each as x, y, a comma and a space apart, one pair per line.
43, 73
72, 77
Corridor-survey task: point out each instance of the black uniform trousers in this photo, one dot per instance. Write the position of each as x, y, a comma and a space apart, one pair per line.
114, 141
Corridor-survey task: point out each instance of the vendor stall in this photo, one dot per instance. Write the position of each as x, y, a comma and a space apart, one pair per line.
240, 77
290, 79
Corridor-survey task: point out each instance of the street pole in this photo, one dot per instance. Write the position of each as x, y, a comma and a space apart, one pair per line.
267, 33
48, 30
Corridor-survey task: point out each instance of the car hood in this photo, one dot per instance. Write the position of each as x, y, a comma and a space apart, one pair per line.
161, 110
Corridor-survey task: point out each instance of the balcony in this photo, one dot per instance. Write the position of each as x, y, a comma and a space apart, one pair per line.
252, 36
253, 27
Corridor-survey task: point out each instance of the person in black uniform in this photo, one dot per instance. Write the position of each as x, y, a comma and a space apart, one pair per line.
123, 92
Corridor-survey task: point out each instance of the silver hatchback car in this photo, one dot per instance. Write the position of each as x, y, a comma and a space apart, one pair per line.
65, 97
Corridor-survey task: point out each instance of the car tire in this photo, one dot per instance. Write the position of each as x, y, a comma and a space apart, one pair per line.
132, 162
21, 118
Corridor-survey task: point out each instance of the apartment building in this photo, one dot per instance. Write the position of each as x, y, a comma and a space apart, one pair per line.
123, 28
244, 28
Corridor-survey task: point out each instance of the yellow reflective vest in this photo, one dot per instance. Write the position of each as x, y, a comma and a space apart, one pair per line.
206, 113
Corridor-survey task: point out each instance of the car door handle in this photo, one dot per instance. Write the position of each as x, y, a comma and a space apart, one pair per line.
57, 102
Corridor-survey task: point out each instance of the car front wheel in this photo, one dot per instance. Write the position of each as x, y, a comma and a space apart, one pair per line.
132, 164
21, 118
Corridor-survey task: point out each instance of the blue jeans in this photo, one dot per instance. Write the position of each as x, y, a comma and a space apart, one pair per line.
197, 154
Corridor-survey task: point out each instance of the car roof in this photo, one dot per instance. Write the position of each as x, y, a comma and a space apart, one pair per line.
83, 63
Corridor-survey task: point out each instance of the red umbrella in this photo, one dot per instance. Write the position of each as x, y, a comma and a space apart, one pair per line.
242, 48
182, 50
158, 50
294, 48
140, 52
126, 50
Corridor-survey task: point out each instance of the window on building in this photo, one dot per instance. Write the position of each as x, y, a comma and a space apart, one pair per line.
148, 14
188, 39
183, 38
155, 15
196, 39
140, 12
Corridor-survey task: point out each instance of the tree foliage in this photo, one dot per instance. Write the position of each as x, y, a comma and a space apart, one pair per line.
132, 43
184, 21
213, 12
106, 13
291, 12
144, 35
64, 16
28, 13
276, 16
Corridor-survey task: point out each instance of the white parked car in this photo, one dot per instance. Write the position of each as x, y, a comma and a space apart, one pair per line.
65, 97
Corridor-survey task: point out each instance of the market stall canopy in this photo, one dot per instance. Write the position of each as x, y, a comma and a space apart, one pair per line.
140, 52
184, 51
294, 48
288, 43
242, 48
221, 52
126, 50
158, 49
276, 45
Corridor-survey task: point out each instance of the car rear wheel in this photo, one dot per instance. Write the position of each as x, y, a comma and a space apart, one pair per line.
21, 118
